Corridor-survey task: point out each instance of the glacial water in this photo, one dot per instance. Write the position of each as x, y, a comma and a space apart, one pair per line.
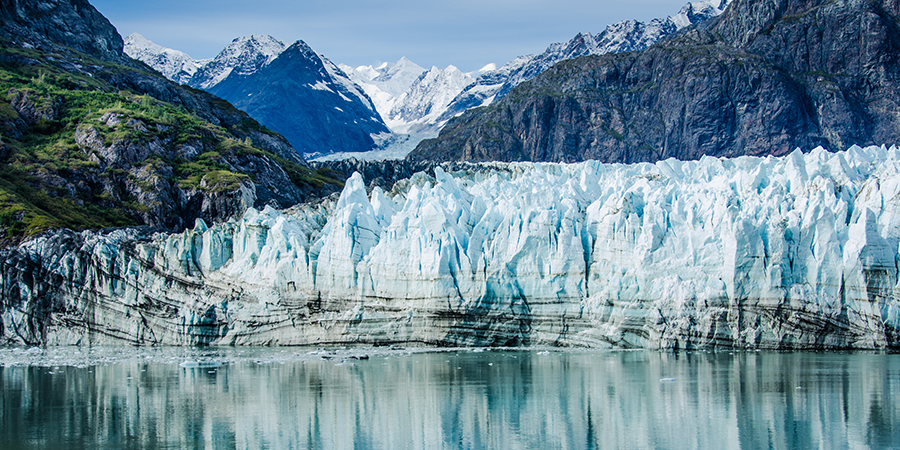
462, 398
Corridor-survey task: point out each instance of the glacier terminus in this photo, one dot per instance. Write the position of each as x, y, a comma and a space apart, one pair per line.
792, 252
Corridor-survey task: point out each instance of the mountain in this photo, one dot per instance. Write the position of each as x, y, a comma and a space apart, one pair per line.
407, 96
625, 36
307, 99
384, 83
762, 78
426, 99
172, 64
419, 102
411, 101
796, 252
244, 56
290, 89
92, 138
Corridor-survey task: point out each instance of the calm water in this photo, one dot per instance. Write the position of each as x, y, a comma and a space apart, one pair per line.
396, 399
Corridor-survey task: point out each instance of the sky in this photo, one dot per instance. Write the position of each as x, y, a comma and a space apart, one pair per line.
466, 33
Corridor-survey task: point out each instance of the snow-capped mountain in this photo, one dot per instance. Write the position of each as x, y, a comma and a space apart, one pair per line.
415, 103
418, 109
413, 100
410, 98
292, 90
307, 99
172, 64
629, 35
385, 82
243, 56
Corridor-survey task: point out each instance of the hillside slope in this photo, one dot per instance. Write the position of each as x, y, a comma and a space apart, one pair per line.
90, 138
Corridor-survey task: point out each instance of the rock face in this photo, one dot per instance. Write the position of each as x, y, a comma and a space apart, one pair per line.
763, 78
797, 252
49, 23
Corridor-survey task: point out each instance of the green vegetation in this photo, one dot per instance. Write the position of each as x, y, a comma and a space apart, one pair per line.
47, 180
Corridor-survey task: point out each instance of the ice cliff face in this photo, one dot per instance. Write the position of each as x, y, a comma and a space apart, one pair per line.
793, 252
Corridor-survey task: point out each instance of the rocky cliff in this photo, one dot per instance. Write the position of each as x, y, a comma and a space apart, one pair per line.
797, 252
54, 25
763, 78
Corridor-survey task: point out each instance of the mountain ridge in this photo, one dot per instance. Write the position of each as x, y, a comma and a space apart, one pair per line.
252, 68
409, 108
627, 35
755, 80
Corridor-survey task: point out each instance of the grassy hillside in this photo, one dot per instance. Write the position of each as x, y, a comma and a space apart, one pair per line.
80, 150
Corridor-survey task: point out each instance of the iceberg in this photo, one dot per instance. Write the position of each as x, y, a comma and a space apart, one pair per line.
793, 252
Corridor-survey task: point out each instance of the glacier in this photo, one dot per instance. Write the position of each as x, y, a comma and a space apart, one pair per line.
793, 252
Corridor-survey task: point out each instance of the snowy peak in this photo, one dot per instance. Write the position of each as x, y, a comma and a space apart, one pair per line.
243, 56
386, 82
172, 64
308, 99
427, 98
408, 97
391, 78
400, 74
630, 35
696, 12
290, 89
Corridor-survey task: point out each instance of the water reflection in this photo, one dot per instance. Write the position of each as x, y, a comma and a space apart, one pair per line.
492, 399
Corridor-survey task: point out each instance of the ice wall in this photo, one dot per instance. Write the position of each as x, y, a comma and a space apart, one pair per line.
791, 252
